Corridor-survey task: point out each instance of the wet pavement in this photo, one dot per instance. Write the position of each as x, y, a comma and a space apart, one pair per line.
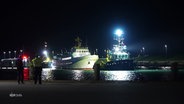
92, 92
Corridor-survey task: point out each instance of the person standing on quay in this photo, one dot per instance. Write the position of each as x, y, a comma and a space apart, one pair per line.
31, 68
20, 69
37, 64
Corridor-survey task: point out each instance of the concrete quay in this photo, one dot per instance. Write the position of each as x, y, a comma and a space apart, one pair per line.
91, 92
159, 64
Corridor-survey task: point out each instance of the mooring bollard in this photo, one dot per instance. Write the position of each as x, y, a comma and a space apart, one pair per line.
97, 71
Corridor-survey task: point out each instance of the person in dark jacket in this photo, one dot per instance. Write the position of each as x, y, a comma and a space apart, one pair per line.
20, 69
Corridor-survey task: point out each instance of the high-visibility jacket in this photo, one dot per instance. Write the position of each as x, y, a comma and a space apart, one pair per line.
37, 62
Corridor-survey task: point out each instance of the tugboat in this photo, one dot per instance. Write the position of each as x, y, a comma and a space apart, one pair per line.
79, 58
118, 58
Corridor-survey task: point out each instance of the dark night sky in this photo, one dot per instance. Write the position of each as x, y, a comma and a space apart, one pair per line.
146, 23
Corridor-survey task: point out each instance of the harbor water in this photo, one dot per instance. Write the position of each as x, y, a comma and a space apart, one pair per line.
133, 75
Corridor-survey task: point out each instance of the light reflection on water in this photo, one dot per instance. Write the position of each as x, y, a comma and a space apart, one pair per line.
111, 75
77, 74
119, 75
89, 75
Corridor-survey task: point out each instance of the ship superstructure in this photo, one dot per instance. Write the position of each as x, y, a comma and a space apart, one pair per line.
118, 58
119, 51
79, 58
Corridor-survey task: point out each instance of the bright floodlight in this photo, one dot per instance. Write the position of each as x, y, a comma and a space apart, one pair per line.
143, 48
119, 32
45, 52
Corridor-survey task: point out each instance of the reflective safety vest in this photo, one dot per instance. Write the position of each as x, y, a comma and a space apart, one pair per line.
37, 62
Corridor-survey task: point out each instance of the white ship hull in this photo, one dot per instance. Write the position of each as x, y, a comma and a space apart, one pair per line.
87, 62
82, 63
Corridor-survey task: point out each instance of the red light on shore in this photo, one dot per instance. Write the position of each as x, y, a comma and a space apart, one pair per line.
24, 57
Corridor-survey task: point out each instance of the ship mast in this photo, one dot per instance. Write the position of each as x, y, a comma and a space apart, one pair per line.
79, 42
45, 45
